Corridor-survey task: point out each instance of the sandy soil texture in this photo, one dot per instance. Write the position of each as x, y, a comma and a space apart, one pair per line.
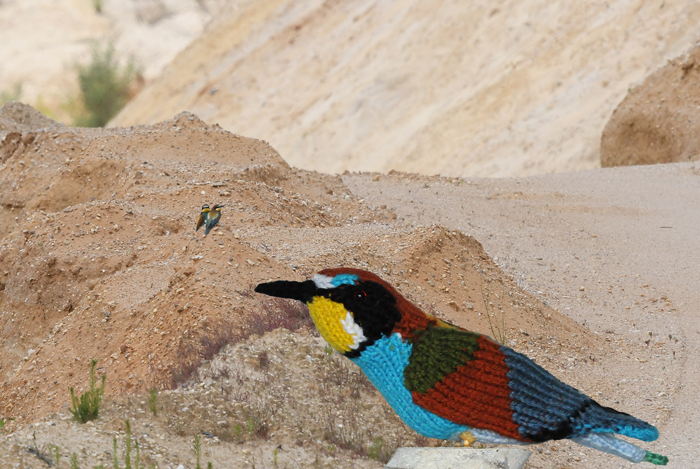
592, 274
657, 121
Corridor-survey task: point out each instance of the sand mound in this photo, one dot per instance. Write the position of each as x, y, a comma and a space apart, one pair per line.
657, 122
99, 258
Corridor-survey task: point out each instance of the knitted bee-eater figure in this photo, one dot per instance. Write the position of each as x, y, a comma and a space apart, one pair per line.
449, 383
213, 217
202, 217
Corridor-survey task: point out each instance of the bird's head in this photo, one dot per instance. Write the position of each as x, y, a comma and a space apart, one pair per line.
351, 308
205, 208
218, 207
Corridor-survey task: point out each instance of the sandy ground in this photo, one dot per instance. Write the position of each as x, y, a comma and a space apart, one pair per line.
592, 273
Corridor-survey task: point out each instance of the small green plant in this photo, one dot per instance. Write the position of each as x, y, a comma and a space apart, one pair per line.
105, 88
153, 400
211, 466
197, 448
328, 349
274, 457
2, 424
97, 5
88, 406
73, 461
115, 458
127, 450
253, 425
56, 455
237, 431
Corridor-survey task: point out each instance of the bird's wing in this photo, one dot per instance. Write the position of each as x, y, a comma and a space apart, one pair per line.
200, 221
212, 220
468, 378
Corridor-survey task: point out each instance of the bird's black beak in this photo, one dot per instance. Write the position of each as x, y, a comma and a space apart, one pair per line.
300, 291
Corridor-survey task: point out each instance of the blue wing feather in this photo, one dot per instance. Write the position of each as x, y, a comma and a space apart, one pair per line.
546, 408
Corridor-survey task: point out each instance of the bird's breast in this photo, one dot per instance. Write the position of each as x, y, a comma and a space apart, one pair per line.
384, 363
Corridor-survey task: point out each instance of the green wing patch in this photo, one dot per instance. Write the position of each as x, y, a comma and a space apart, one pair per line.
437, 352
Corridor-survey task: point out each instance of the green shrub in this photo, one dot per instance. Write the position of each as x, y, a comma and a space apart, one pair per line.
153, 401
105, 87
88, 406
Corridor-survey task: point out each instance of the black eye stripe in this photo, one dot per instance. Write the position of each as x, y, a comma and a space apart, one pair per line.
373, 309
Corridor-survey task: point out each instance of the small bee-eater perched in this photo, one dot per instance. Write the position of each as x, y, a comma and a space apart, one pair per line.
449, 383
202, 216
213, 217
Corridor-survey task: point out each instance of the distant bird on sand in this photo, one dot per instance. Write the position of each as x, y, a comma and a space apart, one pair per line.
213, 217
202, 216
449, 383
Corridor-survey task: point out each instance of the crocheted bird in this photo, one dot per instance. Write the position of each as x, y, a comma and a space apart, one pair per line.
213, 217
202, 217
449, 383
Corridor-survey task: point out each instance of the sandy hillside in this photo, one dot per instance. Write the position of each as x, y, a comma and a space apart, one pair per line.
43, 40
657, 121
454, 88
99, 259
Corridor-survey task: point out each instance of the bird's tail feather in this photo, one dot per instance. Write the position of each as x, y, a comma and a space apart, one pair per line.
600, 419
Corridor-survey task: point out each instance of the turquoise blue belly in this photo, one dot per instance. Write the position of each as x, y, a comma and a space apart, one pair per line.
383, 363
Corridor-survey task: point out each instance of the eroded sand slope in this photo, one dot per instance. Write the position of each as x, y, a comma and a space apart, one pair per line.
454, 88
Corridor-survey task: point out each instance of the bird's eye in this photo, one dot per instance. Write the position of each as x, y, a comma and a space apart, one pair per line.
360, 295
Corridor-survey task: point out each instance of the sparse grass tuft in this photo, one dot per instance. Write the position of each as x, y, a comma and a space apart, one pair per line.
56, 455
88, 406
153, 401
127, 450
197, 449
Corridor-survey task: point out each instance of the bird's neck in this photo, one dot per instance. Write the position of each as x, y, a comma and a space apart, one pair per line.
412, 319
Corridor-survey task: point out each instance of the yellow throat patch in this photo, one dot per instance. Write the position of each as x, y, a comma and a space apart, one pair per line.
332, 320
